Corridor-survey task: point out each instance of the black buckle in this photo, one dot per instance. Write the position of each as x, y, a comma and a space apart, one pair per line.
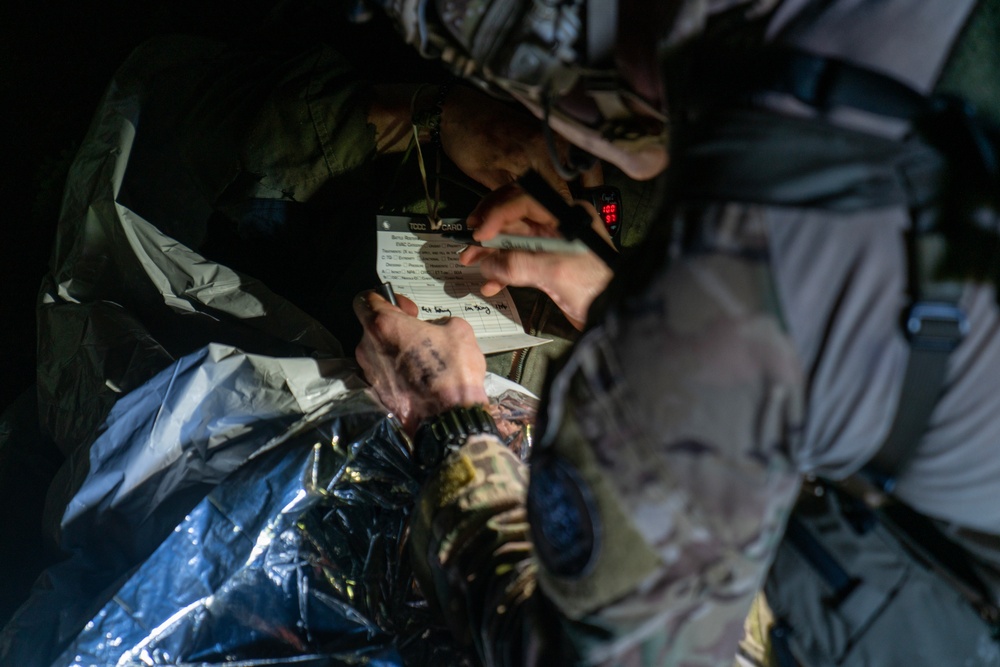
935, 326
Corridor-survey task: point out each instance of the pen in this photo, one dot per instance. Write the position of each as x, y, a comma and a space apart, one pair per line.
385, 289
461, 237
516, 242
574, 221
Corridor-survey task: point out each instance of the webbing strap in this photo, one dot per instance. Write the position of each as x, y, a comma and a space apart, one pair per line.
841, 583
757, 157
934, 329
807, 163
602, 32
736, 152
949, 559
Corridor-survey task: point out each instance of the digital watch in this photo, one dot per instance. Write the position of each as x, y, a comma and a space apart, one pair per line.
447, 431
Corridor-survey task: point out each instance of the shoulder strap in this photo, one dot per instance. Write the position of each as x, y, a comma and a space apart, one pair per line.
934, 325
735, 150
954, 160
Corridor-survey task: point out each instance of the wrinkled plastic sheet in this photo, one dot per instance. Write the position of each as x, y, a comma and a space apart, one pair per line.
240, 510
232, 494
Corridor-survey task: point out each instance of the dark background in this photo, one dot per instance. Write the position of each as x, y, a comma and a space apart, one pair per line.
56, 59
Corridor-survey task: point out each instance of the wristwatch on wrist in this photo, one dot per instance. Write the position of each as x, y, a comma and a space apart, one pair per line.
448, 431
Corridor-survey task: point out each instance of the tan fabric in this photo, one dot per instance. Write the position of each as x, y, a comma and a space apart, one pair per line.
744, 346
691, 396
755, 647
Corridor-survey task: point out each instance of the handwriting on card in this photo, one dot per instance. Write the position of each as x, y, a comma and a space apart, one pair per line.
425, 268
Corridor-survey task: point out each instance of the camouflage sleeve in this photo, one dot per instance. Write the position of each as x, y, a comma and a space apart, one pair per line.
660, 483
470, 547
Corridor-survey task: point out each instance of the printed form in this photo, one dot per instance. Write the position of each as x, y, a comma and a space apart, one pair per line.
424, 266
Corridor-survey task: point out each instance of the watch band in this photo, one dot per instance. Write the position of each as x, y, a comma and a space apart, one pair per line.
448, 431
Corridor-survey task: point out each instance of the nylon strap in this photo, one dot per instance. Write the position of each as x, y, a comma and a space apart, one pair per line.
812, 164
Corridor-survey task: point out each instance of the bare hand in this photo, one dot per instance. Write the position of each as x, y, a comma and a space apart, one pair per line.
572, 281
418, 369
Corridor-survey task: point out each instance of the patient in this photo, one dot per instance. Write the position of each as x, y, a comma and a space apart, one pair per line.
216, 226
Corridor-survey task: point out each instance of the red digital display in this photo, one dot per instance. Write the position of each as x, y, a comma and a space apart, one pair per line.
607, 201
610, 213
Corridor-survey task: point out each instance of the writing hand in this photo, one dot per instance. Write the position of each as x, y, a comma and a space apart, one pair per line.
572, 281
418, 368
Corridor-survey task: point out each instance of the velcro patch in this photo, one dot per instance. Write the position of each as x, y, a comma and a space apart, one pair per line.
565, 524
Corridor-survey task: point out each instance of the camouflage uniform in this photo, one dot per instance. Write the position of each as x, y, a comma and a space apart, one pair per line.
746, 344
688, 480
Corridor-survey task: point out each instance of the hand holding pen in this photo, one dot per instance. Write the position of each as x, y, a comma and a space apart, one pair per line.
573, 230
385, 289
574, 221
572, 280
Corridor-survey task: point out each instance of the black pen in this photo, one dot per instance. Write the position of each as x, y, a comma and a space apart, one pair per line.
385, 289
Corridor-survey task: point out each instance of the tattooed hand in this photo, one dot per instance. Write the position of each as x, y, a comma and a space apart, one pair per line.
418, 368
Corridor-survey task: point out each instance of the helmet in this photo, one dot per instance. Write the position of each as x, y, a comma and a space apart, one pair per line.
556, 57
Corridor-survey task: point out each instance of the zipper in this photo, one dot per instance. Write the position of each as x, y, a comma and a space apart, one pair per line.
517, 362
520, 357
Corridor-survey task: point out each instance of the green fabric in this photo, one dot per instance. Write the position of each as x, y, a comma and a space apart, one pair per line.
973, 71
894, 595
320, 91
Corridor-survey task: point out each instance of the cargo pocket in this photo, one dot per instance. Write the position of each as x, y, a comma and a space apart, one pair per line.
835, 571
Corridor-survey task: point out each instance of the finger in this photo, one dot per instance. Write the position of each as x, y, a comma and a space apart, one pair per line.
496, 198
593, 176
369, 302
491, 288
473, 254
512, 212
362, 306
368, 358
517, 267
374, 313
361, 356
407, 305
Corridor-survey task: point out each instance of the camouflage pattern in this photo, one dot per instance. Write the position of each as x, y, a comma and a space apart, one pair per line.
691, 395
683, 411
678, 412
469, 521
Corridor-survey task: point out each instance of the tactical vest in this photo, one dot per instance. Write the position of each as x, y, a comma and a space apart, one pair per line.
860, 577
